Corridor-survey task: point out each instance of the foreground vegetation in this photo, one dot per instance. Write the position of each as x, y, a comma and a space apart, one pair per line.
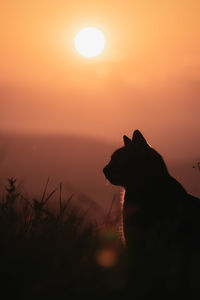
53, 256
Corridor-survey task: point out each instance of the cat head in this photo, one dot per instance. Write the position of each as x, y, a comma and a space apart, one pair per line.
136, 162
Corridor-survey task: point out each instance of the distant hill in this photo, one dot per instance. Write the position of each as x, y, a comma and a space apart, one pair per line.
75, 161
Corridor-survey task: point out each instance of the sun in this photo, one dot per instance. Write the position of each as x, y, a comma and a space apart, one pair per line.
89, 42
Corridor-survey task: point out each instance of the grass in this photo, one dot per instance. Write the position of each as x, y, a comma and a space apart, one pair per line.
60, 254
53, 256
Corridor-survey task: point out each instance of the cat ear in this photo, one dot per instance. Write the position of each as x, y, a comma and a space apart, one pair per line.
126, 140
138, 139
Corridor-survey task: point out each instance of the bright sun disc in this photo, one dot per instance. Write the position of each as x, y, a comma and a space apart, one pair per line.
89, 42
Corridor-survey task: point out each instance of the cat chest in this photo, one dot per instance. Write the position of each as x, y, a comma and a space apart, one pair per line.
139, 224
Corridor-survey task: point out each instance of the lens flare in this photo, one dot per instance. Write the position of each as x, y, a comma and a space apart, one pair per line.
106, 258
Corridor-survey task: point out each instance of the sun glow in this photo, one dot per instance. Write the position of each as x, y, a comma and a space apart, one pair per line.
90, 42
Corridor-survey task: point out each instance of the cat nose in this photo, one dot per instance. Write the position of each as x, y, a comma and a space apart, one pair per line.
105, 169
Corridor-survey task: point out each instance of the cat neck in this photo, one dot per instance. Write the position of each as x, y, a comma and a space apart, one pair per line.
153, 187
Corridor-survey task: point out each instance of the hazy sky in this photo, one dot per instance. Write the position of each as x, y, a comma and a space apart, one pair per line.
148, 76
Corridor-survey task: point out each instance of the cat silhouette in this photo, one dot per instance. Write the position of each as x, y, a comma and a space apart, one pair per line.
161, 223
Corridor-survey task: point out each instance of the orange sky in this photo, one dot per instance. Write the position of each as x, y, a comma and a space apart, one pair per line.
148, 76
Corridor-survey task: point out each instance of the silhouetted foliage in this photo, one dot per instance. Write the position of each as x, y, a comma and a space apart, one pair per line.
48, 256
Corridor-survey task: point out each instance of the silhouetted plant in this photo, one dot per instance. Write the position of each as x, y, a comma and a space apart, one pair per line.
50, 255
